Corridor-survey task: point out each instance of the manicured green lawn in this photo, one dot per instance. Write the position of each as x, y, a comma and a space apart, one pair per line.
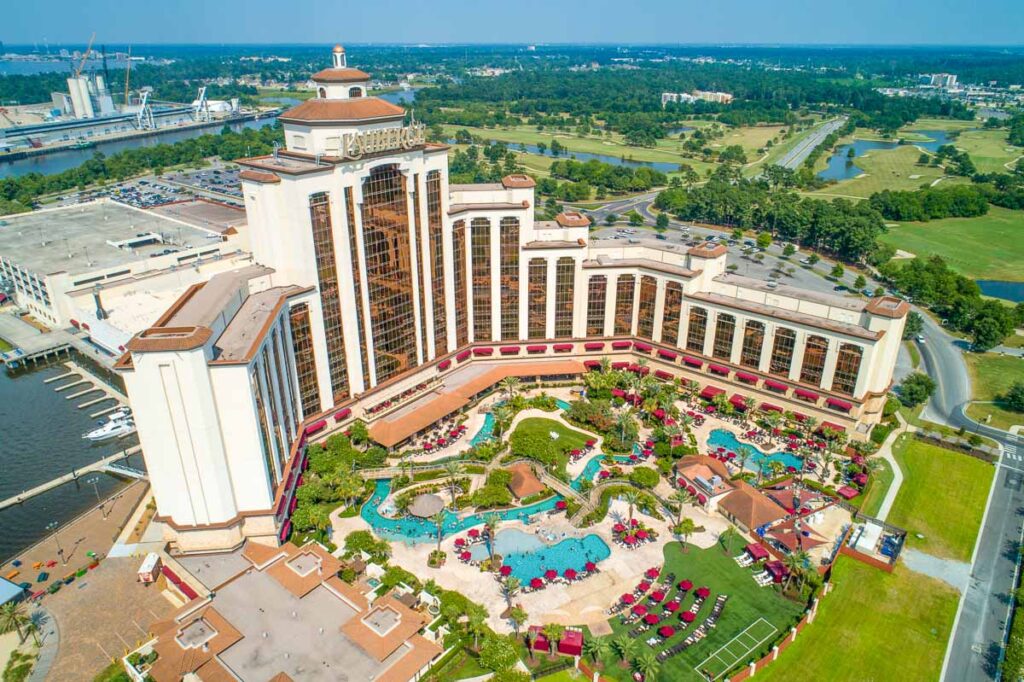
747, 602
988, 149
942, 498
894, 169
568, 439
570, 675
878, 486
992, 375
987, 247
872, 626
940, 124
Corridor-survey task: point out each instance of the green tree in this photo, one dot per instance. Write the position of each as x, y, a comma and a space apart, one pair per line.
764, 240
553, 632
635, 219
837, 271
684, 529
610, 219
511, 386
645, 477
813, 259
498, 653
518, 616
624, 646
788, 250
913, 326
597, 648
683, 497
476, 622
647, 664
438, 520
510, 588
632, 497
662, 221
451, 470
860, 282
13, 617
916, 389
1014, 397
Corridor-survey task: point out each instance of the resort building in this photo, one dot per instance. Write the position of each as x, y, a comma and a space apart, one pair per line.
389, 295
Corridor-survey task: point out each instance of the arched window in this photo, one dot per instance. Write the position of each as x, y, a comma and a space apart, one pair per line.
355, 92
322, 93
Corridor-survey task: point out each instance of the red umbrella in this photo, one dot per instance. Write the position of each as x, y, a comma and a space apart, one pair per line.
685, 585
590, 567
657, 595
591, 443
460, 542
505, 571
550, 574
474, 532
536, 583
666, 631
703, 592
561, 504
465, 556
651, 619
633, 458
687, 617
642, 534
643, 586
634, 522
604, 474
681, 482
672, 606
629, 540
570, 574
625, 599
721, 449
618, 528
639, 610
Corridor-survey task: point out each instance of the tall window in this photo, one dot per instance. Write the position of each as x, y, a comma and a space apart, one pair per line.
782, 351
265, 439
459, 265
670, 313
645, 312
480, 234
847, 368
509, 278
417, 248
565, 276
537, 312
597, 291
350, 215
305, 361
815, 351
330, 301
697, 329
389, 271
753, 341
435, 228
624, 305
725, 327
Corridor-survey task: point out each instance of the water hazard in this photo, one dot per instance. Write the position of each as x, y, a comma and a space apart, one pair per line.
841, 166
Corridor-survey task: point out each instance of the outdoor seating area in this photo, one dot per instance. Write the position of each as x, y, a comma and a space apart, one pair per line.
443, 435
577, 454
553, 577
632, 534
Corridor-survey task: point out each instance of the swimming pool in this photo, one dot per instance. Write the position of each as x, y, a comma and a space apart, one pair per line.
592, 467
720, 438
562, 405
413, 530
530, 557
486, 431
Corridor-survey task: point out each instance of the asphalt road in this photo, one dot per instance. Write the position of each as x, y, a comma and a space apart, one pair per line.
798, 154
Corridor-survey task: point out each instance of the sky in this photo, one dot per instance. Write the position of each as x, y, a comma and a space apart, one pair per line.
844, 22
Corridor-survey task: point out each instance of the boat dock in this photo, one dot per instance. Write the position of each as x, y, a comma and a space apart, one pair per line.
32, 346
105, 464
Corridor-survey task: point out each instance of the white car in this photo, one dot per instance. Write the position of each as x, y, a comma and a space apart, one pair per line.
920, 338
805, 261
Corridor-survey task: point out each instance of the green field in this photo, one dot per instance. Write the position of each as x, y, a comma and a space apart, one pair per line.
894, 169
986, 247
940, 124
988, 149
872, 626
878, 486
942, 498
747, 603
568, 439
992, 375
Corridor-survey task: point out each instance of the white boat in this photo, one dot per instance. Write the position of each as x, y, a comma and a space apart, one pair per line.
119, 423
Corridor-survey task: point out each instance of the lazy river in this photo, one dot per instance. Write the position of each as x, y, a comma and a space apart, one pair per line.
721, 438
530, 557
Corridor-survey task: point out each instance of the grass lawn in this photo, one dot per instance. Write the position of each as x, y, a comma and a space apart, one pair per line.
294, 94
878, 486
570, 675
940, 124
747, 602
872, 626
988, 149
568, 439
942, 498
914, 352
894, 169
987, 247
1014, 341
991, 376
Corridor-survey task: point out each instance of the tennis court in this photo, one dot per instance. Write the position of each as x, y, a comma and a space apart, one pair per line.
737, 649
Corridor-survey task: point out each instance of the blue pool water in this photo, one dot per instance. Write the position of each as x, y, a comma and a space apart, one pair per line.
720, 438
530, 557
592, 467
485, 432
562, 405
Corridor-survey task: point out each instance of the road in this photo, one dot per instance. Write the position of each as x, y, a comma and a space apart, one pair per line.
798, 154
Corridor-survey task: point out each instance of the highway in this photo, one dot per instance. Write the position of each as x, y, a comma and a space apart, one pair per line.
798, 154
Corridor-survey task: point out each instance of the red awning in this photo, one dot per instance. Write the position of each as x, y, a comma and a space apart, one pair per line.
643, 347
804, 394
620, 365
662, 374
692, 362
483, 351
621, 345
510, 350
839, 404
768, 407
710, 392
592, 364
536, 349
775, 385
463, 355
562, 347
719, 369
830, 425
756, 551
667, 354
341, 414
315, 426
748, 378
444, 364
618, 393
738, 401
594, 345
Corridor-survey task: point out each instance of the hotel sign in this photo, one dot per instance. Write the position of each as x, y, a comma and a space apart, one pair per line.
357, 145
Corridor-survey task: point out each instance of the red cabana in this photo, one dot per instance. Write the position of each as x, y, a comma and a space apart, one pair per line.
571, 643
540, 642
687, 617
756, 551
777, 570
666, 631
847, 493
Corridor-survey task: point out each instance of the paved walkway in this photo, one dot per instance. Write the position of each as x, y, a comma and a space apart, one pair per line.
885, 452
955, 573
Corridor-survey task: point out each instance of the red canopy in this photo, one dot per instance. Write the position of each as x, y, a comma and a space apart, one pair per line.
747, 378
687, 617
672, 606
667, 354
459, 542
657, 595
483, 351
621, 345
536, 583
618, 528
639, 610
643, 586
847, 493
692, 362
550, 574
625, 599
703, 592
505, 570
804, 394
465, 556
738, 401
652, 573
593, 345
474, 532
666, 631
756, 551
774, 385
570, 574
709, 392
561, 504
509, 350
838, 404
719, 369
651, 619
642, 534
662, 374
591, 442
571, 643
590, 566
685, 585
768, 407
536, 349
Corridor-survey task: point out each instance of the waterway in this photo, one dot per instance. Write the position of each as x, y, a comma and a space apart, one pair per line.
56, 162
41, 440
842, 167
1010, 291
29, 68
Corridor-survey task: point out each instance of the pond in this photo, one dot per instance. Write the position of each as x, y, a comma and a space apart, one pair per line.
1010, 291
663, 166
530, 556
842, 167
720, 438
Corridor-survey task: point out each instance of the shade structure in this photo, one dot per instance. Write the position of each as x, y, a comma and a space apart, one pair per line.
756, 551
718, 369
701, 499
662, 374
746, 378
536, 349
634, 522
652, 573
643, 586
738, 401
591, 442
666, 631
687, 617
474, 532
805, 394
837, 404
536, 583
657, 595
641, 534
550, 574
570, 574
591, 364
703, 592
618, 528
426, 505
651, 619
483, 351
768, 407
692, 362
685, 585
593, 345
465, 556
561, 504
847, 493
643, 347
460, 542
709, 392
672, 606
571, 643
639, 610
625, 599
590, 567
505, 571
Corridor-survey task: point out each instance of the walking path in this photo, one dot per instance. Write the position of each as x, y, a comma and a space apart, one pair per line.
885, 452
955, 573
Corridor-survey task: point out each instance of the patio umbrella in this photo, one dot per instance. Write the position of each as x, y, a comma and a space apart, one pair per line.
590, 567
666, 631
505, 571
642, 534
625, 599
536, 583
657, 595
618, 528
633, 458
604, 474
577, 452
474, 532
720, 449
690, 489
732, 455
629, 540
685, 585
651, 619
649, 443
634, 522
570, 574
680, 482
643, 586
561, 504
703, 592
550, 574
465, 556
791, 469
687, 617
591, 443
672, 606
639, 610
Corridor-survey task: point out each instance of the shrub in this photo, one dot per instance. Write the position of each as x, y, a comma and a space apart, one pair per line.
644, 477
881, 432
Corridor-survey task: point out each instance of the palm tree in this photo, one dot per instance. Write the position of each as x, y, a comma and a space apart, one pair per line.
553, 632
451, 468
510, 588
476, 622
597, 648
624, 647
438, 519
685, 529
743, 453
606, 364
683, 497
827, 459
491, 522
632, 497
804, 560
13, 617
810, 423
502, 414
646, 664
510, 385
624, 422
794, 564
518, 616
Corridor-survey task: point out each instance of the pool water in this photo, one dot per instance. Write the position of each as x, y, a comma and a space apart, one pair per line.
592, 467
530, 557
562, 405
720, 438
486, 431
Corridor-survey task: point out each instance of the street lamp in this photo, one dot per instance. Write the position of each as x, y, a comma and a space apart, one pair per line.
52, 526
95, 480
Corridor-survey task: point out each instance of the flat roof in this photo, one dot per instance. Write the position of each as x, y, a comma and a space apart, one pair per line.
844, 302
207, 302
208, 215
42, 241
250, 322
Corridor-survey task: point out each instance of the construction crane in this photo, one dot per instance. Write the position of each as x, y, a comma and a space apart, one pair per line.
127, 74
85, 57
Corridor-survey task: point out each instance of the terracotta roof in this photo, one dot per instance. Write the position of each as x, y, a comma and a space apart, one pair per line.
705, 467
518, 181
287, 571
704, 252
259, 554
888, 306
422, 651
524, 482
380, 646
346, 75
572, 219
259, 176
343, 110
786, 535
750, 506
169, 339
175, 661
347, 593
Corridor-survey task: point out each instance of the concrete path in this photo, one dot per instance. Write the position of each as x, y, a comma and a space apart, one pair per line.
955, 573
885, 452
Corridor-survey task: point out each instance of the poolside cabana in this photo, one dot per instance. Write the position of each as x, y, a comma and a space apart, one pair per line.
571, 643
756, 551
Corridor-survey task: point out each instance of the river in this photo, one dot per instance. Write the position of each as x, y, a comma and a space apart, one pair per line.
42, 439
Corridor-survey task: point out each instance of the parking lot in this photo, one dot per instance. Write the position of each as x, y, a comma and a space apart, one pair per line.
222, 181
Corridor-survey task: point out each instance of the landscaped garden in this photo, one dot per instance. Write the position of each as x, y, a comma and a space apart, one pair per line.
942, 498
872, 625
